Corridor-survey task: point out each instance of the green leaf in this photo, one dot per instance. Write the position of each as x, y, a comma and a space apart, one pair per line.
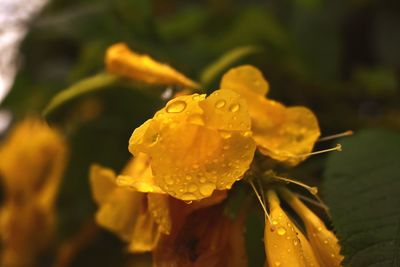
85, 86
226, 60
362, 186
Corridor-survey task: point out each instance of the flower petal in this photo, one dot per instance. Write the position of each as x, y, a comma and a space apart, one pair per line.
323, 241
285, 245
284, 134
122, 61
190, 156
245, 78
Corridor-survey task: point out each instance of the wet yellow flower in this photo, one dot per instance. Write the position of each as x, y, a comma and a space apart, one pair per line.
323, 241
285, 134
285, 245
122, 61
123, 211
197, 144
130, 207
33, 158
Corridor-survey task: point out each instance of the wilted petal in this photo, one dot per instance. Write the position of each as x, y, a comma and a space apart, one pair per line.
323, 241
285, 245
191, 156
122, 61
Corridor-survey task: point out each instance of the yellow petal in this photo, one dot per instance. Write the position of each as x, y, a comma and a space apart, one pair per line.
323, 241
145, 234
114, 202
102, 182
285, 245
245, 78
284, 134
159, 208
122, 61
190, 155
33, 157
120, 212
293, 139
138, 176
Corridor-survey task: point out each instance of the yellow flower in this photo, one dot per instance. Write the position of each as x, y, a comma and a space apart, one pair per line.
123, 211
122, 61
285, 245
33, 158
197, 144
323, 241
130, 207
285, 134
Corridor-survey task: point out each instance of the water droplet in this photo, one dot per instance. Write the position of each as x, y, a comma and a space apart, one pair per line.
277, 263
295, 241
196, 97
202, 180
325, 241
274, 222
225, 134
176, 107
188, 177
168, 180
207, 189
320, 229
234, 108
220, 103
192, 188
332, 255
281, 231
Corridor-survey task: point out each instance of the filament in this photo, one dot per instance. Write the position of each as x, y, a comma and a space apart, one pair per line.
334, 136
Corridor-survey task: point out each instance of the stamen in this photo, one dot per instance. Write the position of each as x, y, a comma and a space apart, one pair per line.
334, 136
338, 147
318, 202
312, 189
261, 201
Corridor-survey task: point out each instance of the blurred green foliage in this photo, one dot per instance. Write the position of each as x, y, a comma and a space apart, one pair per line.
338, 57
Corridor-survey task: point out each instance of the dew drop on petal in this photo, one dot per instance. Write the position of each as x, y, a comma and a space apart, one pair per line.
168, 180
176, 107
277, 263
281, 231
192, 188
225, 134
220, 103
234, 108
207, 189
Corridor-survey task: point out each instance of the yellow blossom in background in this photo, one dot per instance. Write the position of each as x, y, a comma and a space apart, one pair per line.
197, 144
323, 241
33, 158
285, 245
285, 134
122, 61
